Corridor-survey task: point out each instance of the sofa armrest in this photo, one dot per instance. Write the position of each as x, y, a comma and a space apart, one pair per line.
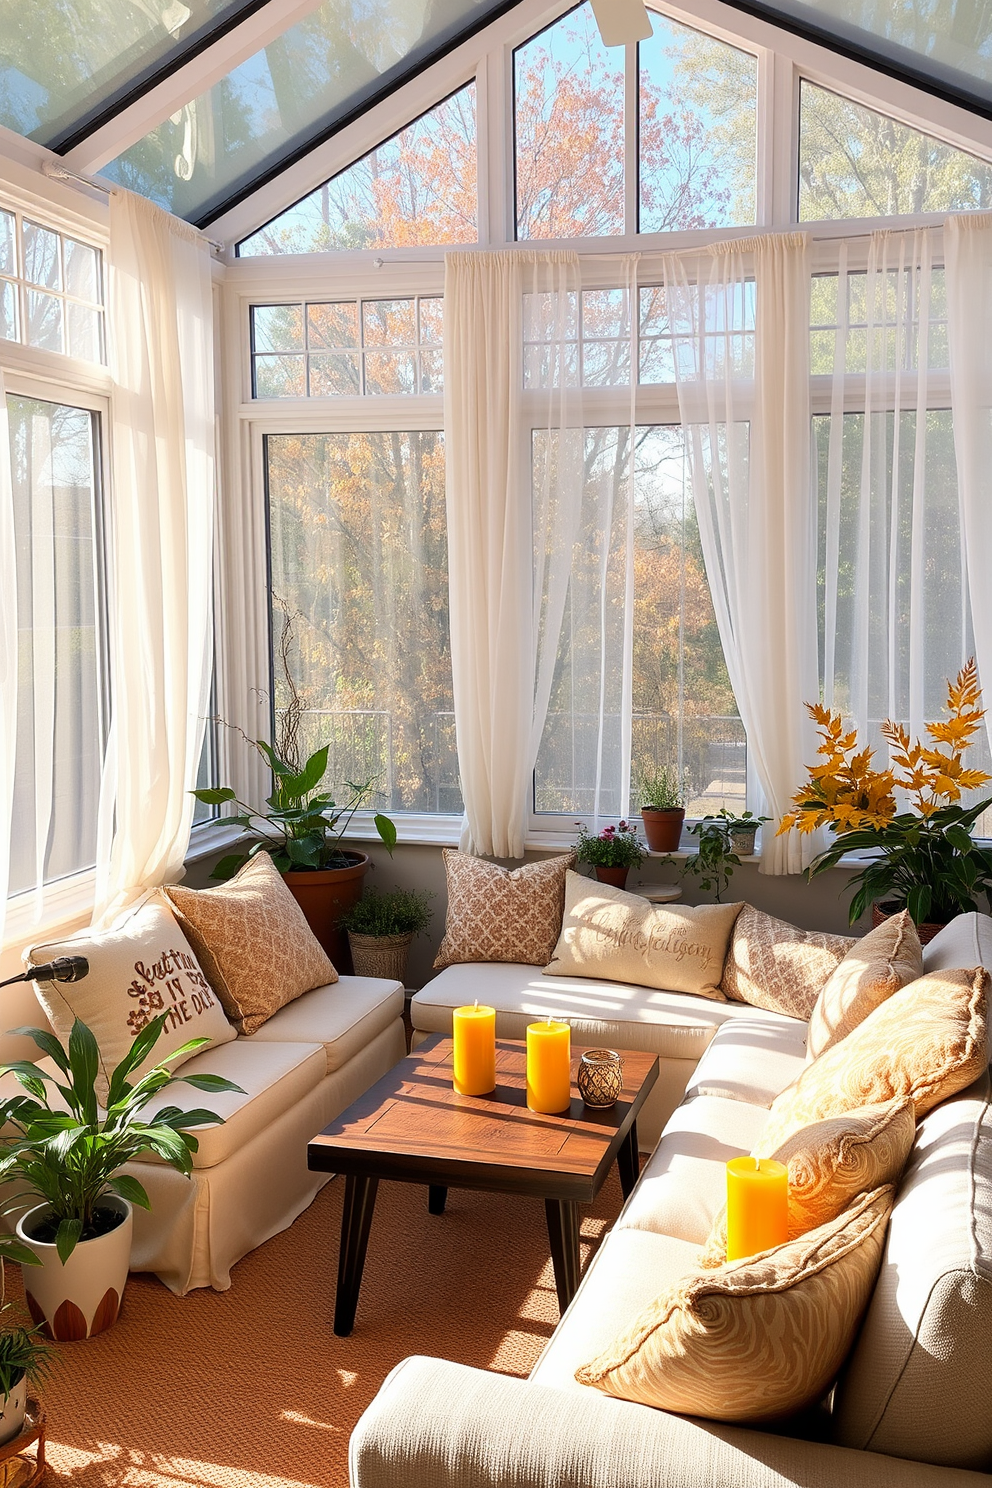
435, 1424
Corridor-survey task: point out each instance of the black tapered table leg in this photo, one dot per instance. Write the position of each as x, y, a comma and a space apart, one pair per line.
356, 1222
437, 1197
563, 1233
628, 1162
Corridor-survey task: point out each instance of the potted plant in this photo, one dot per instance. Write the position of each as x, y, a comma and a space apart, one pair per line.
25, 1360
926, 860
662, 792
381, 927
743, 829
303, 828
611, 852
715, 857
68, 1153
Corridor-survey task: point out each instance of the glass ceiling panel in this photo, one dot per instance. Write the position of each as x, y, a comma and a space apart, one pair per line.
62, 62
285, 98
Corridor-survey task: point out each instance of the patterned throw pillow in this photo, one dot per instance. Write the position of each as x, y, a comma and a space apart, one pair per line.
875, 967
759, 1338
257, 950
829, 1164
138, 970
926, 1041
772, 964
502, 914
621, 937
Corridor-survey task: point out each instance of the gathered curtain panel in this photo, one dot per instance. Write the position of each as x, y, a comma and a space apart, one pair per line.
160, 547
8, 657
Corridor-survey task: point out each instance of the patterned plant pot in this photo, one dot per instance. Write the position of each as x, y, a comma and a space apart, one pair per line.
381, 955
324, 896
663, 829
12, 1411
742, 841
83, 1297
616, 877
882, 912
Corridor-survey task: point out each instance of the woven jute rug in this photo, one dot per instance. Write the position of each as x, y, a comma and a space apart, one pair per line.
249, 1388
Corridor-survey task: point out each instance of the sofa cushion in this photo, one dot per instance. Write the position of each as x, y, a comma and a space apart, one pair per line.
273, 1078
502, 914
343, 1017
919, 1379
683, 1184
966, 941
139, 969
256, 947
621, 937
876, 966
927, 1040
761, 1337
772, 964
751, 1060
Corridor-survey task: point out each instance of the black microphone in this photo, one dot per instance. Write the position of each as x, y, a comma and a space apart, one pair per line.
62, 969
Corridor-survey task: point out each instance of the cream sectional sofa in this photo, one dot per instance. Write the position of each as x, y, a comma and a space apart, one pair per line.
913, 1406
250, 1177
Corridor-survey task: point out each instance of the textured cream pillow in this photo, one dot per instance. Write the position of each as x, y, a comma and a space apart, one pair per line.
137, 971
875, 967
926, 1041
772, 964
829, 1164
257, 949
759, 1338
608, 933
502, 914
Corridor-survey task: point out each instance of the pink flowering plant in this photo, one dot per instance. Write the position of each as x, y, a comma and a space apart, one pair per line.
613, 847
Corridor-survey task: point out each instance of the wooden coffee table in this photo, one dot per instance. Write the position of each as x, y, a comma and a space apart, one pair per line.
412, 1127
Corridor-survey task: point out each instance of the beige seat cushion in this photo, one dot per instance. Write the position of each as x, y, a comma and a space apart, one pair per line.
343, 1017
683, 1184
919, 1379
876, 966
256, 947
751, 1060
772, 964
502, 914
927, 1040
759, 1338
273, 1077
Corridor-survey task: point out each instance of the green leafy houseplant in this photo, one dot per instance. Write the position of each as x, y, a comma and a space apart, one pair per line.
714, 860
613, 847
303, 827
394, 912
23, 1352
662, 788
70, 1158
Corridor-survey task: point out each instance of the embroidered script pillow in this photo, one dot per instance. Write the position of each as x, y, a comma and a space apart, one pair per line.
143, 968
620, 937
876, 966
502, 914
772, 964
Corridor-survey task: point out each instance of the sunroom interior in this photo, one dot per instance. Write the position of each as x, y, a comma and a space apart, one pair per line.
513, 415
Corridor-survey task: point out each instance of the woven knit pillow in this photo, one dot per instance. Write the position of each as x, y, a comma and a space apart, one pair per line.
620, 937
875, 967
772, 964
143, 967
257, 949
926, 1041
829, 1164
502, 914
759, 1338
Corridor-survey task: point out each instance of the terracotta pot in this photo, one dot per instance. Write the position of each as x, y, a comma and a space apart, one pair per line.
324, 896
83, 1297
617, 877
381, 955
882, 912
663, 829
12, 1410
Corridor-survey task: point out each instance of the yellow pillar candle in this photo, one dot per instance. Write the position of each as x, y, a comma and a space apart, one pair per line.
473, 1032
757, 1205
549, 1053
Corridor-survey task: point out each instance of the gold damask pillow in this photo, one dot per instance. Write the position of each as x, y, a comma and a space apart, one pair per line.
502, 914
829, 1164
621, 937
759, 1338
772, 964
926, 1041
253, 942
876, 966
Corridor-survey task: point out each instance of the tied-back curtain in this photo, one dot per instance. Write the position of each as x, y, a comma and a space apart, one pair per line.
739, 321
8, 657
161, 546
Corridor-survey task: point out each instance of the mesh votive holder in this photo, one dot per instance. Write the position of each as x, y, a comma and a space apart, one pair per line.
600, 1077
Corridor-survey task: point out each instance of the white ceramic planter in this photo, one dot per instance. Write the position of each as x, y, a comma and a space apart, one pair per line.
12, 1412
83, 1297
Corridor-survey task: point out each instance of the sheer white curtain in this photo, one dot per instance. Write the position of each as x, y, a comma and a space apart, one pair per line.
161, 545
8, 656
739, 321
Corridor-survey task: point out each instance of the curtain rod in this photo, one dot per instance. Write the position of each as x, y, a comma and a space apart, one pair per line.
56, 171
